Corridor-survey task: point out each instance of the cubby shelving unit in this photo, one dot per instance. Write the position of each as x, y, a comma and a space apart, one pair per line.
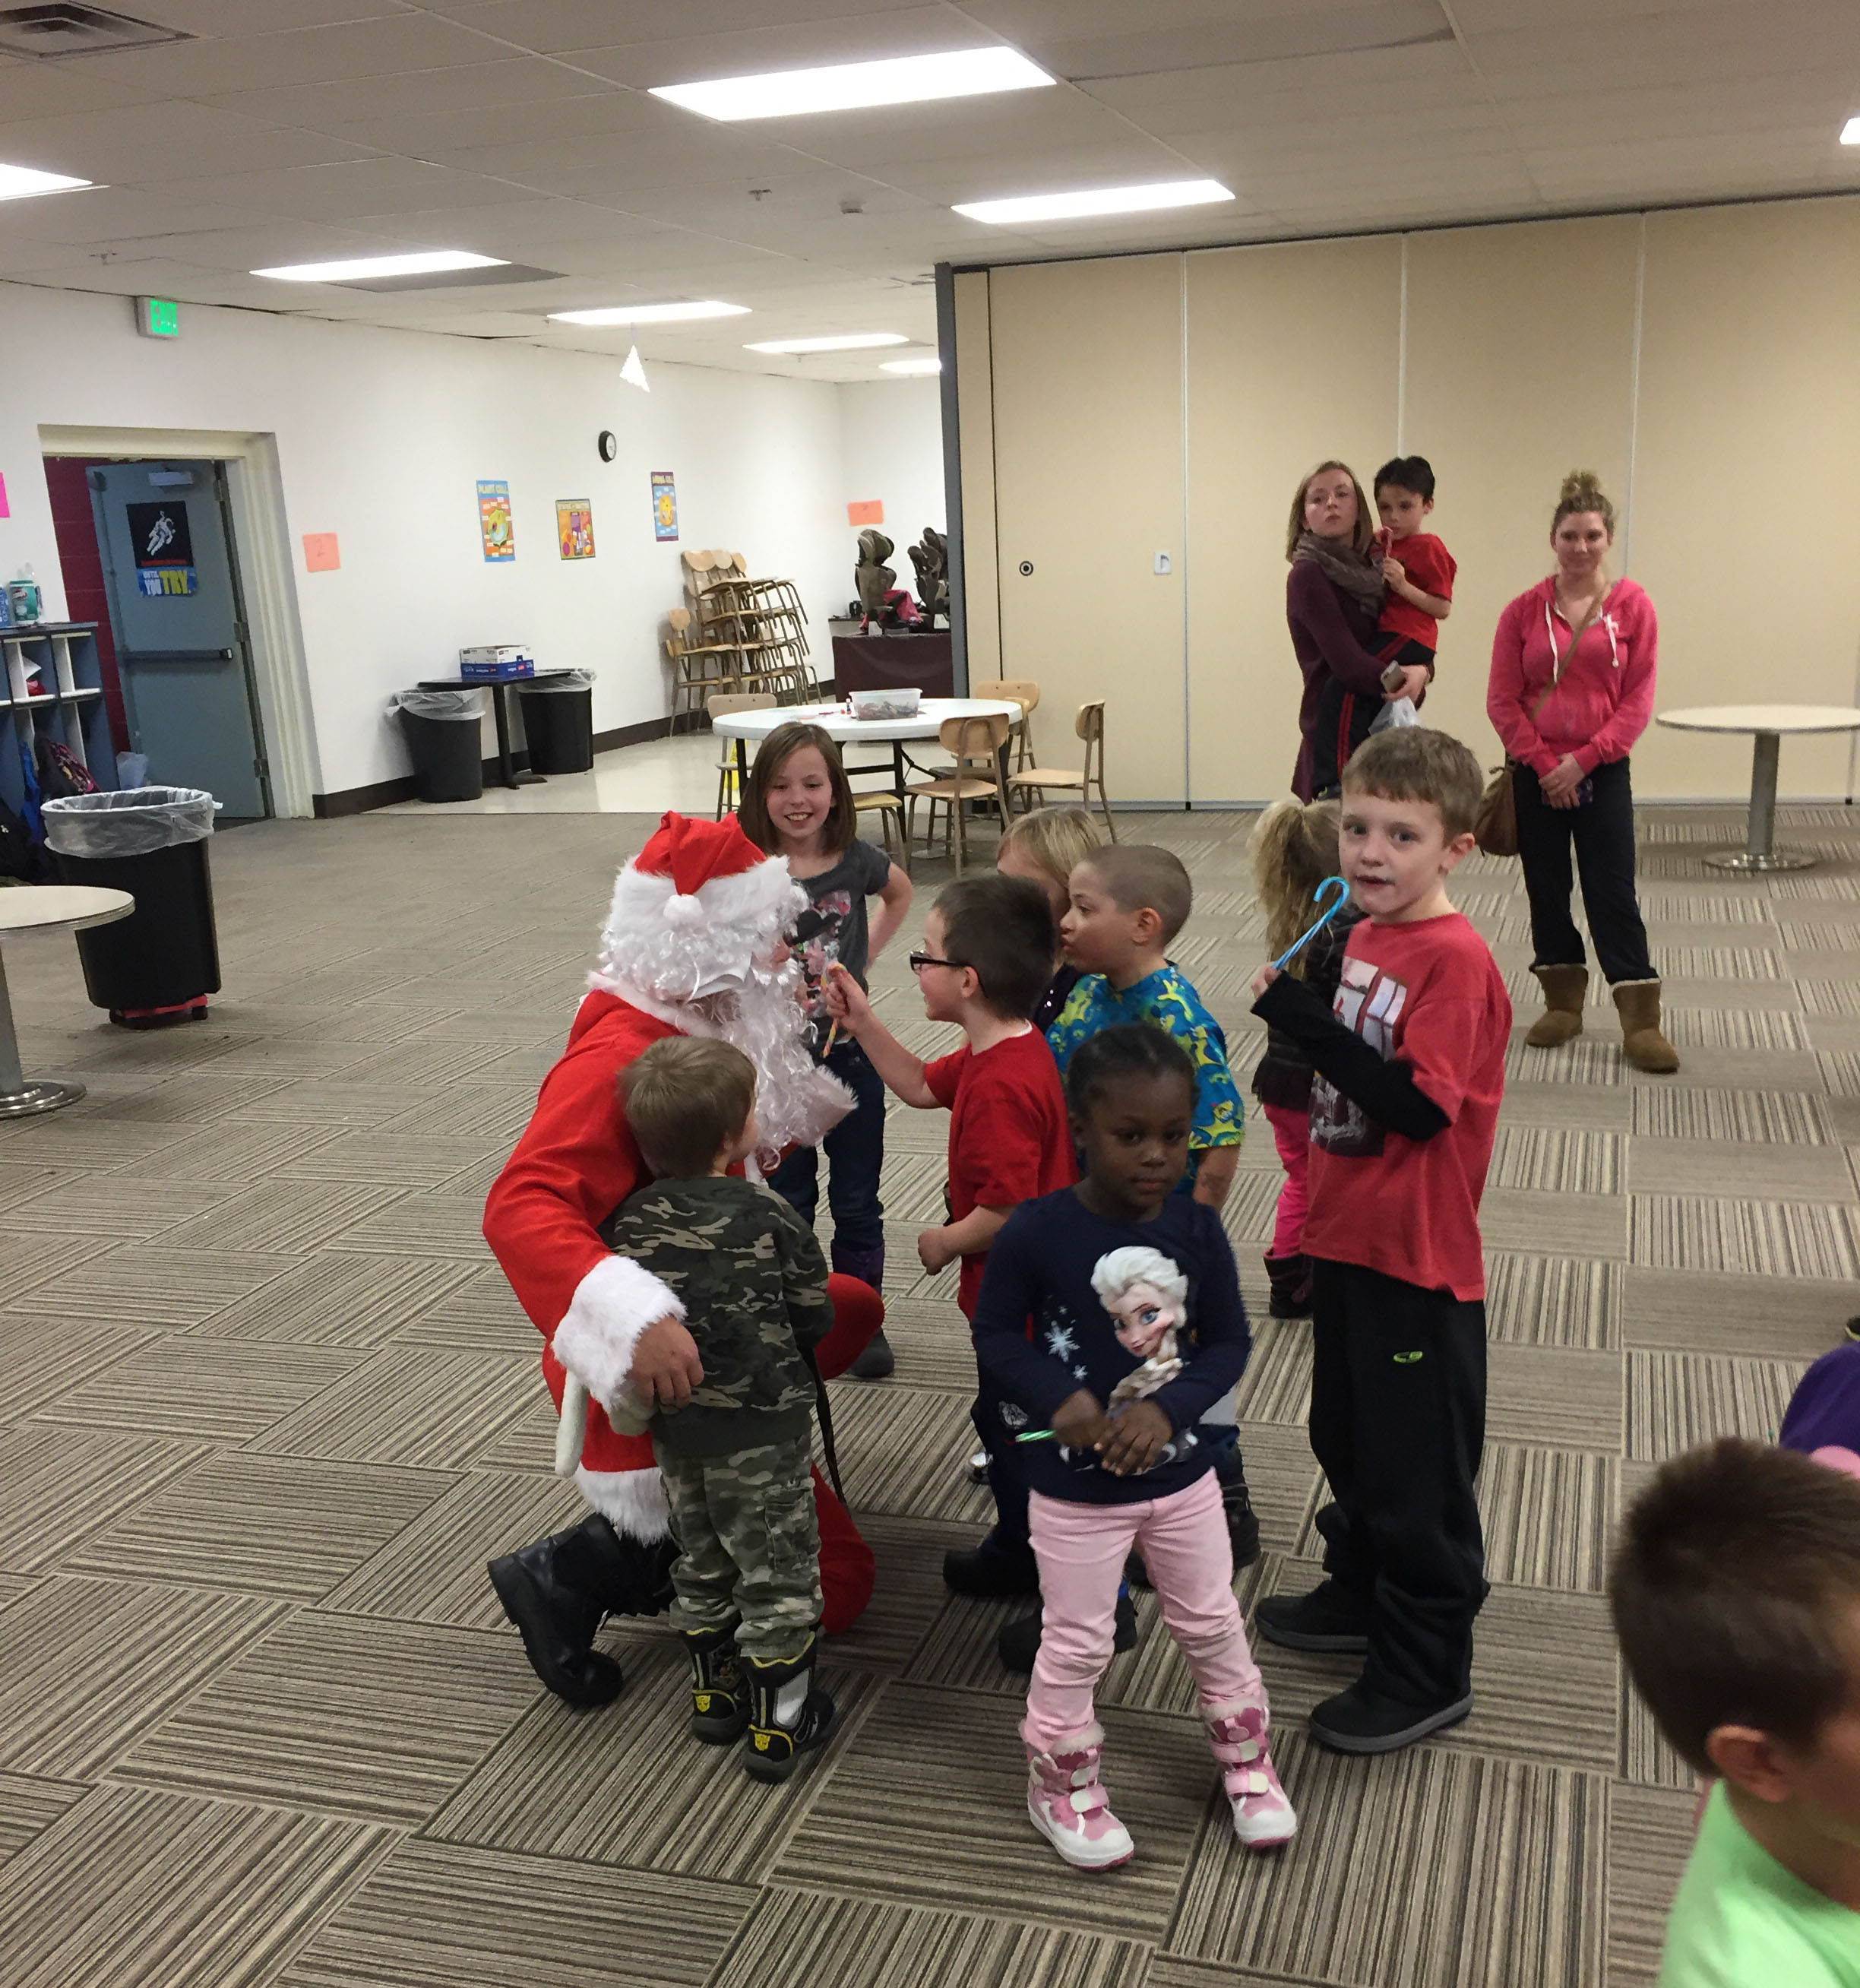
66, 700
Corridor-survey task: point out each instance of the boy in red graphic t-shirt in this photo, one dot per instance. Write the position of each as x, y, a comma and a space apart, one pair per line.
1418, 568
1409, 1067
988, 948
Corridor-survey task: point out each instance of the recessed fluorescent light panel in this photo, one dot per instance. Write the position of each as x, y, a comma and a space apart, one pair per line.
1099, 201
863, 86
22, 182
851, 341
429, 263
929, 363
649, 314
1850, 132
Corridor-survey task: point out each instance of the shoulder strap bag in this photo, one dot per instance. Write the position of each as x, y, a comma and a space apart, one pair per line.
1495, 825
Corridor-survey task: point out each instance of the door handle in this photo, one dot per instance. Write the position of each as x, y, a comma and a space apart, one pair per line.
174, 655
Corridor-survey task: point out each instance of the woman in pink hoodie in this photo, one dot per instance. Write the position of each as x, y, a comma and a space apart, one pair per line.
1573, 663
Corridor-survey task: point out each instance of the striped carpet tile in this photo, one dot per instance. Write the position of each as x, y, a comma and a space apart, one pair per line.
38, 1358
191, 1098
1685, 1311
475, 1308
1647, 1760
58, 1486
801, 1940
1584, 1062
240, 1151
1556, 1162
1720, 963
1573, 1225
146, 1890
902, 1450
115, 1209
1276, 1387
29, 1804
1842, 1069
337, 1300
911, 1186
1649, 1837
1428, 1866
1702, 1166
909, 1596
88, 1667
149, 1284
386, 1159
1677, 1401
1664, 902
1547, 1515
1539, 1300
629, 1787
334, 1102
437, 1915
282, 1214
1554, 1394
496, 1113
379, 1721
1779, 1239
284, 1526
425, 1225
222, 1391
1741, 1027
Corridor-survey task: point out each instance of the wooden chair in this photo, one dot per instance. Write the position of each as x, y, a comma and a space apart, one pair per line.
723, 704
1036, 779
976, 744
1023, 691
698, 667
888, 807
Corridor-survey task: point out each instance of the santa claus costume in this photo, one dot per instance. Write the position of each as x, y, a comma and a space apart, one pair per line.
694, 945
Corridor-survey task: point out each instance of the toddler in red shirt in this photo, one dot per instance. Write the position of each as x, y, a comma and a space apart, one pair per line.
1418, 568
989, 943
1409, 1064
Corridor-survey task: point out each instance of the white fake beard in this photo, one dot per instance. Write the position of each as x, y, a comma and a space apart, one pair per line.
797, 1102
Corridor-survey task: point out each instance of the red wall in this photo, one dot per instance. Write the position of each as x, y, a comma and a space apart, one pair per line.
86, 597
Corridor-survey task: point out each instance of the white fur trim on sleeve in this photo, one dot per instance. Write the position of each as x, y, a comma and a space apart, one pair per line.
612, 1305
633, 1502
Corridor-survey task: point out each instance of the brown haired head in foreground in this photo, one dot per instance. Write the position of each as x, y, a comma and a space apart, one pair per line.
1057, 840
1361, 532
1735, 1592
686, 1097
771, 756
1139, 876
1002, 927
1412, 763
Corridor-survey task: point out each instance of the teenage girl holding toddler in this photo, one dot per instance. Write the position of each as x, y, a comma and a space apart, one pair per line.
796, 802
1294, 848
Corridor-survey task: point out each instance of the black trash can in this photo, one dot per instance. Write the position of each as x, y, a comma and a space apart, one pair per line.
441, 728
161, 962
558, 720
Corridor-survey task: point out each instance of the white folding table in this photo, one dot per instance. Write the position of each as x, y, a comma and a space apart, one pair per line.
44, 907
1769, 721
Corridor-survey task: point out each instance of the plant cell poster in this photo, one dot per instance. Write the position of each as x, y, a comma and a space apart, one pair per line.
575, 527
494, 520
665, 505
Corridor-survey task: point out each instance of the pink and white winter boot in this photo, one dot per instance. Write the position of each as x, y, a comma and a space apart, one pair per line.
1262, 1816
1067, 1803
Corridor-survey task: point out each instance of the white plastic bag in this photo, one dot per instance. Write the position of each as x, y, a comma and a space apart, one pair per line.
130, 824
1397, 715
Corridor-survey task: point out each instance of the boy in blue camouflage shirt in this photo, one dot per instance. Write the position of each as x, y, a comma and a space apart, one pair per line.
734, 1461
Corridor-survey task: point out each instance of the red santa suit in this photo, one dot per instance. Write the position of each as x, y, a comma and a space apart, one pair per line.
691, 916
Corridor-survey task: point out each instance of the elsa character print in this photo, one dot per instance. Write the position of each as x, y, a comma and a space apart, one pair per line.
1143, 1290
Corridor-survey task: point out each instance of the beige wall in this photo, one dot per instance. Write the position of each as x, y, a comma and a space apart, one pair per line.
1703, 363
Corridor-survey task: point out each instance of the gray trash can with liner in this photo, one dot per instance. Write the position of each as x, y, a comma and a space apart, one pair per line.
558, 708
441, 728
160, 964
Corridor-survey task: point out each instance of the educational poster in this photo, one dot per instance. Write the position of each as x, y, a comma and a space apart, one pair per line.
494, 520
665, 505
575, 527
165, 548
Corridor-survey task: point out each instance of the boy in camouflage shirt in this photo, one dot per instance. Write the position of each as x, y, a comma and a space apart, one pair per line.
734, 1462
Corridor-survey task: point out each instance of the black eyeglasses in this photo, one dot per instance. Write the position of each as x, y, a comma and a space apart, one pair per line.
920, 960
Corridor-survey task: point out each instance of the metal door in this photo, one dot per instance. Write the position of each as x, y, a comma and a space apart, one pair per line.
165, 531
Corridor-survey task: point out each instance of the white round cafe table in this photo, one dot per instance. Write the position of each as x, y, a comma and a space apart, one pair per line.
43, 908
932, 714
1769, 721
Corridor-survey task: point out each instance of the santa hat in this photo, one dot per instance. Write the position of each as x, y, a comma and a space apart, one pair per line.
699, 901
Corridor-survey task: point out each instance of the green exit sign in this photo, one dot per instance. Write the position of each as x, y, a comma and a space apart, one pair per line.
158, 317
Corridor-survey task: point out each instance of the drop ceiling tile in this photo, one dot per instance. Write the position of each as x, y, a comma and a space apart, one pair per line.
556, 26
342, 192
741, 46
152, 141
33, 89
478, 87
105, 214
262, 17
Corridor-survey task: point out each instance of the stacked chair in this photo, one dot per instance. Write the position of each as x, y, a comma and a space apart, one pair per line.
736, 636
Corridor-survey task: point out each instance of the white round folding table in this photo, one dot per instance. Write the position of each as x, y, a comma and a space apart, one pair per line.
1769, 721
932, 714
43, 908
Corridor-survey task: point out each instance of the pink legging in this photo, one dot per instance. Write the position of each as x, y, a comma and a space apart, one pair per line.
1082, 1550
1291, 1134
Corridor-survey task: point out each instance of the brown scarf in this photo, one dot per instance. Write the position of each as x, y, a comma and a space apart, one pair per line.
1350, 572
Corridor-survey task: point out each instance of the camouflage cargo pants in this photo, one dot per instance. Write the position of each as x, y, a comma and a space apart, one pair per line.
747, 1545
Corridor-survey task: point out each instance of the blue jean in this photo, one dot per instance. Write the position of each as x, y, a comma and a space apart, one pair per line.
856, 1156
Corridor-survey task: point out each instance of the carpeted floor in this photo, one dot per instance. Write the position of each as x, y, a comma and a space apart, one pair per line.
266, 1406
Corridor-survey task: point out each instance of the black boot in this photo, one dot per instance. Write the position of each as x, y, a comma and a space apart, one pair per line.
1290, 1278
1243, 1522
1019, 1641
876, 1360
720, 1699
787, 1717
557, 1616
991, 1570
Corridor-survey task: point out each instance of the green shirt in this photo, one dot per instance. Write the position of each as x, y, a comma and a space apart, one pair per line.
1741, 1921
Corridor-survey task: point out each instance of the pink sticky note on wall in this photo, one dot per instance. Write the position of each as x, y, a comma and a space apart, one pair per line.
6, 509
319, 553
870, 512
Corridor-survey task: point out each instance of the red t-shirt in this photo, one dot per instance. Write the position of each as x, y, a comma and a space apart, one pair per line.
1009, 1140
1429, 994
1431, 567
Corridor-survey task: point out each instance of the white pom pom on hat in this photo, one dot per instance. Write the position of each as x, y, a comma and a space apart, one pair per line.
683, 910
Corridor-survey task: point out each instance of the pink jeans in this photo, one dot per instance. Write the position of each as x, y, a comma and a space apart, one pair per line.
1291, 1134
1082, 1550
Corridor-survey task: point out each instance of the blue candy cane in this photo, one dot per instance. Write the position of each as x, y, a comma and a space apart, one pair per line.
1337, 903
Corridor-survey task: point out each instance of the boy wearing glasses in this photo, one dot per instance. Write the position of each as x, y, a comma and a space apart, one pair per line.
988, 948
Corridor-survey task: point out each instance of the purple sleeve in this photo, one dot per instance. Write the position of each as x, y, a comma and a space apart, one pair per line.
1311, 604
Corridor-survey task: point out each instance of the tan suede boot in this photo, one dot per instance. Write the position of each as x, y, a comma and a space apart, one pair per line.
1565, 989
1641, 1042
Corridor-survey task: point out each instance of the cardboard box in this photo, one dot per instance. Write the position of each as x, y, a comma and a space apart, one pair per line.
497, 664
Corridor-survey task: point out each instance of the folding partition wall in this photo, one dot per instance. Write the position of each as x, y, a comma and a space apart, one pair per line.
1704, 362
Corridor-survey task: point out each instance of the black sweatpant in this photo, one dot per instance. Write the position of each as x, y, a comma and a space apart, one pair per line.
1007, 1470
1602, 830
1398, 1422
